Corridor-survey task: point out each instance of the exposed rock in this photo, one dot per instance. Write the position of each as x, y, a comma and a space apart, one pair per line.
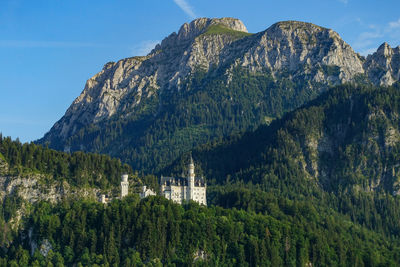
32, 189
383, 67
200, 255
121, 86
297, 49
296, 46
45, 247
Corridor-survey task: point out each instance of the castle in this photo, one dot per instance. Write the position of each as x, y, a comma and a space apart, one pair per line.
125, 190
181, 189
177, 189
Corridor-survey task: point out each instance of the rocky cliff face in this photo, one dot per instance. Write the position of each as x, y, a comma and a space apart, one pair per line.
297, 51
121, 86
299, 48
33, 188
383, 67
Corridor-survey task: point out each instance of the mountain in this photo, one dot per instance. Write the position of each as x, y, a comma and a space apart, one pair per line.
208, 81
348, 136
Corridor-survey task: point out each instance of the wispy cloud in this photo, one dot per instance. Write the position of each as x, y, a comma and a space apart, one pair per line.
344, 1
186, 8
144, 47
395, 24
44, 44
368, 41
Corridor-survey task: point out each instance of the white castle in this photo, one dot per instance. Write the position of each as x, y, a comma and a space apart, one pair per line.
177, 189
124, 185
146, 192
181, 189
124, 190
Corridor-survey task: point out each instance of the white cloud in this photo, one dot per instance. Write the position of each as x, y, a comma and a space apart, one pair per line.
365, 36
344, 1
368, 42
43, 44
144, 47
186, 8
394, 24
367, 51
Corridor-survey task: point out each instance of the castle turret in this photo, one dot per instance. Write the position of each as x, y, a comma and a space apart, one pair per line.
191, 179
124, 185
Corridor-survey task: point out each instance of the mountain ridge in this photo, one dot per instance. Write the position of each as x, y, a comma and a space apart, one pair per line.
299, 61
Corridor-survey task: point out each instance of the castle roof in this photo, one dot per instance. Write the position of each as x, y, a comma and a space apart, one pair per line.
181, 181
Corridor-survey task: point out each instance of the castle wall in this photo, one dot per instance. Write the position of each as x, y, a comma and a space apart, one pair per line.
181, 189
199, 195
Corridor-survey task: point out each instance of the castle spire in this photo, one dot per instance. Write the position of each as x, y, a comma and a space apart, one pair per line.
191, 179
191, 168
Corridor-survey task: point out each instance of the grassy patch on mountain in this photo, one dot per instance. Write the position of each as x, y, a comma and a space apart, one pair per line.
217, 29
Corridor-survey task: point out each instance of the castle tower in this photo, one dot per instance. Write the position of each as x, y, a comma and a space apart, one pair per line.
124, 185
191, 179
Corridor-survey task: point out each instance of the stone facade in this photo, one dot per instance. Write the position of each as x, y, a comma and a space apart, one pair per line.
124, 191
146, 192
181, 189
124, 185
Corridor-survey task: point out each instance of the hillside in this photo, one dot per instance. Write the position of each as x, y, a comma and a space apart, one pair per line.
210, 80
347, 135
317, 187
341, 150
157, 232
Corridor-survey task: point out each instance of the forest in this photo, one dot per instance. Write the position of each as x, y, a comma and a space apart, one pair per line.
316, 187
157, 232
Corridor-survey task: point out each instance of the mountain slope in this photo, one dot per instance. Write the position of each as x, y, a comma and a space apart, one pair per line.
341, 150
349, 136
289, 216
209, 80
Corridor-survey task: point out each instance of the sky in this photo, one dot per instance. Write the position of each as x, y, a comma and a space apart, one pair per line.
49, 48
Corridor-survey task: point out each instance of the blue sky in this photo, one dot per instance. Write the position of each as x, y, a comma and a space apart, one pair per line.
49, 48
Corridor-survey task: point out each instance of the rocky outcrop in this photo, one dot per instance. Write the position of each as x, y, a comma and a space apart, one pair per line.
32, 188
300, 47
383, 66
120, 87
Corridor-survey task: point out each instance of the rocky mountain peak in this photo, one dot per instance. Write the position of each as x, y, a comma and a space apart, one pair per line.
383, 66
292, 25
199, 26
384, 49
302, 47
304, 31
189, 31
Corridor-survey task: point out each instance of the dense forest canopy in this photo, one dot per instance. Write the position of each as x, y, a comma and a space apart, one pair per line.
78, 168
157, 232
